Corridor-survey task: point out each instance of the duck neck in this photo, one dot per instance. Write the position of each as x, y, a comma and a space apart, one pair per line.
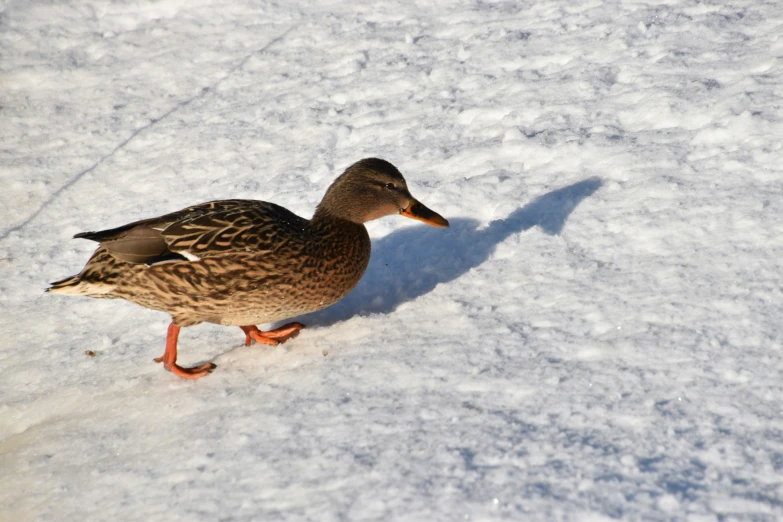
344, 247
332, 208
328, 224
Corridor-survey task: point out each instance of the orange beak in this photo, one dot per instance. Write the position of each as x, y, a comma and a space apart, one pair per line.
416, 210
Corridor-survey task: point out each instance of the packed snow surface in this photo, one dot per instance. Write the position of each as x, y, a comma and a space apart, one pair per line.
597, 336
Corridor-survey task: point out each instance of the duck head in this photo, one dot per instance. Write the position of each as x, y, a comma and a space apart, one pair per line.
370, 189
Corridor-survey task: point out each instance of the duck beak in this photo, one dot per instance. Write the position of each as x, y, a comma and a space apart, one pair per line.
417, 210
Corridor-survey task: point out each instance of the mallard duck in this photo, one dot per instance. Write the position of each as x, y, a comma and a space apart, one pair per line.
243, 262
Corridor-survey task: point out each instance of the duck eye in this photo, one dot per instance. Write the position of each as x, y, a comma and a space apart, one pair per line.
389, 186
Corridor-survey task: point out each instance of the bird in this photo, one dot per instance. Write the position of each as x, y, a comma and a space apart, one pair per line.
239, 262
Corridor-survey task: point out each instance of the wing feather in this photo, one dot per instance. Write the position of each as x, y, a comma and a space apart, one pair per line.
208, 229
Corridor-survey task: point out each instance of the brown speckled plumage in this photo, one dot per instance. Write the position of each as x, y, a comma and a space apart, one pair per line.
258, 263
242, 262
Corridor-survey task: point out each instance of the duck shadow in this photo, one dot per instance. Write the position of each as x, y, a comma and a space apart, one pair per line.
409, 263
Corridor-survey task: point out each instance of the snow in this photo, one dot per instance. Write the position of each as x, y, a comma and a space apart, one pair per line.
597, 336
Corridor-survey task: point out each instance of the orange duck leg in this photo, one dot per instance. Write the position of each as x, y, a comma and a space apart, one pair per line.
272, 337
169, 358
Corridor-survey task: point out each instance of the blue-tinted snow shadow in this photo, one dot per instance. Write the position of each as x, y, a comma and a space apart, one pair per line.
411, 262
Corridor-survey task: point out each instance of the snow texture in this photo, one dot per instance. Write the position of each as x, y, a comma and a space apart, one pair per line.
597, 336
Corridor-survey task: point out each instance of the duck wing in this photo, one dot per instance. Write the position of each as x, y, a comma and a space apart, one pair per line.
208, 229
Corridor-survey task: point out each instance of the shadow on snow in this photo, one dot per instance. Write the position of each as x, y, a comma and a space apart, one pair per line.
411, 262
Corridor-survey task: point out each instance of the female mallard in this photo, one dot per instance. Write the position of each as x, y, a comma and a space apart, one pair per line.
242, 262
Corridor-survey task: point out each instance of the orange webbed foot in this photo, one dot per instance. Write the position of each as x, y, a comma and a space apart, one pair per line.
272, 337
207, 366
190, 373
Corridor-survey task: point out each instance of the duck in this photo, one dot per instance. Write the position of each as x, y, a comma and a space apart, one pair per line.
239, 262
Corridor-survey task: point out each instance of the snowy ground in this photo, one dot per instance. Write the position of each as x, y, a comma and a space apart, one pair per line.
597, 336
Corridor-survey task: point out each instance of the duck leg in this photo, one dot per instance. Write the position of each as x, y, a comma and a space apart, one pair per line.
272, 337
169, 358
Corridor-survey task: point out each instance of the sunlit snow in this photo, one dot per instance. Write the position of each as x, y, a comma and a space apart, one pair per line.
597, 336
